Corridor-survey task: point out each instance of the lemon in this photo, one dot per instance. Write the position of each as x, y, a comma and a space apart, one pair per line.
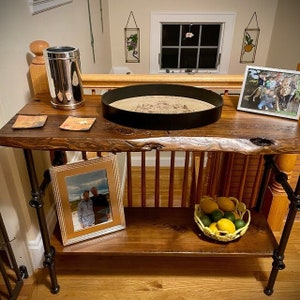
208, 205
239, 223
213, 227
226, 204
226, 225
216, 215
205, 219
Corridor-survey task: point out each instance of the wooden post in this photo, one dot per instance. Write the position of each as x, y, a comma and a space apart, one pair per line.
276, 202
37, 69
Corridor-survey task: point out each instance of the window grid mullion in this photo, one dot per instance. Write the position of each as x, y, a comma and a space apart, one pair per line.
179, 47
199, 47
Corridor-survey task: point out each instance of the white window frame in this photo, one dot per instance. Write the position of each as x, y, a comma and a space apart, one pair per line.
226, 18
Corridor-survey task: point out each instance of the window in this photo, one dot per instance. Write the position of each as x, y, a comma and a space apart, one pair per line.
190, 42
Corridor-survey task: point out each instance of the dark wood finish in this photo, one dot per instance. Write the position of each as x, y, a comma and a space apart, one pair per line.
232, 132
171, 232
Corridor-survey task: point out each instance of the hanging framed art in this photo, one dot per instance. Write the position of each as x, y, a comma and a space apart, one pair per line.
132, 41
250, 40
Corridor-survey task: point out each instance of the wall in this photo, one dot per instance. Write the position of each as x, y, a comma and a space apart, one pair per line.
285, 43
273, 41
119, 11
66, 25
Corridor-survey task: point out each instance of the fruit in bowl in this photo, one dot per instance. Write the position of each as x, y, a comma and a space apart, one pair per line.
222, 218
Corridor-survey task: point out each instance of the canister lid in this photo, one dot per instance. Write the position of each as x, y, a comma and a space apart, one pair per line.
62, 52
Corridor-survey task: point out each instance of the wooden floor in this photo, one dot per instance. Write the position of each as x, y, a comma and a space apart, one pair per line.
168, 278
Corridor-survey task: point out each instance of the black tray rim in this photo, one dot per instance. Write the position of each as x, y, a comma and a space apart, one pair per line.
154, 121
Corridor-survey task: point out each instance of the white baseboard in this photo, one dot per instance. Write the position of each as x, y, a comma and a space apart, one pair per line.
36, 247
150, 160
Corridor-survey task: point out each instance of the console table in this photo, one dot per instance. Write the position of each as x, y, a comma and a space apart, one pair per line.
235, 132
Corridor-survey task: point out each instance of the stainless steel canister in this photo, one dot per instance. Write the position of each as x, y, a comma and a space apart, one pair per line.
64, 76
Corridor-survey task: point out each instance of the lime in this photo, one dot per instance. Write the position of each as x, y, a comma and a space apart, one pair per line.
205, 219
229, 215
216, 215
239, 223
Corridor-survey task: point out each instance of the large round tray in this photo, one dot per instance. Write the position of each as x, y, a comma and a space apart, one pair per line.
162, 121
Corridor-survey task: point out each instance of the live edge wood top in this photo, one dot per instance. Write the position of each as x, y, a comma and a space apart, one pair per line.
235, 131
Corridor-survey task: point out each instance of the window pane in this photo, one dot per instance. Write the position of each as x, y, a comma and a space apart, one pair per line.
208, 58
170, 35
188, 58
210, 35
187, 39
169, 58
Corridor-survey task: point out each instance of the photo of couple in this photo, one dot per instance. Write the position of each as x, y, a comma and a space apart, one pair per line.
89, 199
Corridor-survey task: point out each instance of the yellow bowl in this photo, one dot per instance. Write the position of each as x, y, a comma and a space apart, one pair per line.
224, 236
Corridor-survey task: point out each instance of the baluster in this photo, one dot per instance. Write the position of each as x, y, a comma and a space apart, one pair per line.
157, 179
185, 180
143, 178
243, 177
129, 180
171, 179
257, 181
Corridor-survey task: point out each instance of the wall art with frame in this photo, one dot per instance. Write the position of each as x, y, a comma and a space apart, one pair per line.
132, 41
88, 198
273, 92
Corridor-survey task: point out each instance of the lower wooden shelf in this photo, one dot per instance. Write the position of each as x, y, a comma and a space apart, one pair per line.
171, 232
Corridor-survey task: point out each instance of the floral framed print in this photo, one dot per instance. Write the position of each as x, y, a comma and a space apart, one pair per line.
268, 91
132, 41
88, 198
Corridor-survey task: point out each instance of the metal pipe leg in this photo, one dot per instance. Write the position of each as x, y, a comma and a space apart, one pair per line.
278, 255
37, 203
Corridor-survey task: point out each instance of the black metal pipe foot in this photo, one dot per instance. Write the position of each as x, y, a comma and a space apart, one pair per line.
268, 291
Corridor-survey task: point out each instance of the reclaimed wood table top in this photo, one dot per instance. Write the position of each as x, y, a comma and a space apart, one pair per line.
235, 131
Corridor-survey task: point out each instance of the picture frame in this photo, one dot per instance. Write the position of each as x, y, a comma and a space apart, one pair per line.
269, 91
132, 45
132, 41
81, 219
250, 40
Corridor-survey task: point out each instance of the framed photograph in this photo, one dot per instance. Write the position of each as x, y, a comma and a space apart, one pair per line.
274, 92
88, 198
